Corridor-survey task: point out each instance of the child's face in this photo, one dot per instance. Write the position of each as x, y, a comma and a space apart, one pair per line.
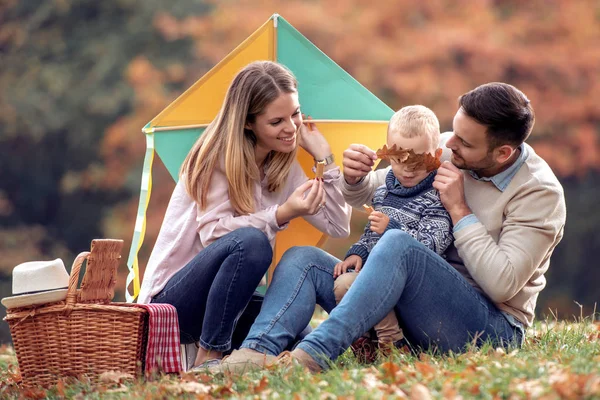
407, 174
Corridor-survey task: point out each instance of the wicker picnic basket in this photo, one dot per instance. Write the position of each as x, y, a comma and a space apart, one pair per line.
86, 334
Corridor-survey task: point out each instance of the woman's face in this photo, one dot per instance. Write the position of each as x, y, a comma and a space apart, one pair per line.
277, 126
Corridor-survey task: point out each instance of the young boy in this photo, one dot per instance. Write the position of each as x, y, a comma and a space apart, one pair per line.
408, 202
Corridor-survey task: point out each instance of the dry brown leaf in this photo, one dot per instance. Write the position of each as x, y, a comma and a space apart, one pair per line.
189, 387
114, 377
60, 388
319, 174
223, 390
34, 393
419, 391
260, 386
390, 369
120, 389
408, 156
425, 369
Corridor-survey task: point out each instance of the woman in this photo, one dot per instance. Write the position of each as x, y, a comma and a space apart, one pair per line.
239, 185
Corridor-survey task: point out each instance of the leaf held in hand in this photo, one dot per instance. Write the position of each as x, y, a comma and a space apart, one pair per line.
408, 156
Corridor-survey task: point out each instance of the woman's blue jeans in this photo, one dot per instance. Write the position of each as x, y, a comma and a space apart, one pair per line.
215, 290
437, 307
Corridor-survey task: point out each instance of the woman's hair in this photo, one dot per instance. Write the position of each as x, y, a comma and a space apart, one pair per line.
252, 90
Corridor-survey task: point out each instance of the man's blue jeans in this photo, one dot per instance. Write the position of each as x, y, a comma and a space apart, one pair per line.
437, 306
216, 289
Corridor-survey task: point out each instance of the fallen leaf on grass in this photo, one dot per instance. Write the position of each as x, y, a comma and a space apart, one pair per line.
393, 372
370, 381
532, 388
189, 387
449, 391
34, 393
114, 377
427, 370
419, 392
121, 389
260, 386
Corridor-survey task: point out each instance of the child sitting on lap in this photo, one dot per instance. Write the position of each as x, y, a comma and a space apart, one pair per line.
407, 201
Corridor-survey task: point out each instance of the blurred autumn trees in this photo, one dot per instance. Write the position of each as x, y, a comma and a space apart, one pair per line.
79, 79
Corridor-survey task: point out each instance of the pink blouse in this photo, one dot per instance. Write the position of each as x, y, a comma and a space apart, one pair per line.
186, 229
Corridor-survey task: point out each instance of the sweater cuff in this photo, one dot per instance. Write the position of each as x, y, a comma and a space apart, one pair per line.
464, 222
331, 175
468, 232
273, 220
359, 251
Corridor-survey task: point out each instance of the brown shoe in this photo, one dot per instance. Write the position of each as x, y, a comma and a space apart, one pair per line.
298, 357
365, 350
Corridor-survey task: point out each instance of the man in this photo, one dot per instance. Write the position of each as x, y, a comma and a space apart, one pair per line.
508, 212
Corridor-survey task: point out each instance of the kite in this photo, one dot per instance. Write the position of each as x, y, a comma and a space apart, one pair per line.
342, 109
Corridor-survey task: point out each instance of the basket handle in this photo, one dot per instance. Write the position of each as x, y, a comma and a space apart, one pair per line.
73, 279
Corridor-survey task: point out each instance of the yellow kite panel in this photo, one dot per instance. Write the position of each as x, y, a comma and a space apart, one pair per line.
202, 101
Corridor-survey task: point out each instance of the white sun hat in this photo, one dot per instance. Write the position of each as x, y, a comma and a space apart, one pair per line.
38, 282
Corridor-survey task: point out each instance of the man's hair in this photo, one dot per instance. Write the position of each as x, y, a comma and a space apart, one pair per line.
414, 121
503, 109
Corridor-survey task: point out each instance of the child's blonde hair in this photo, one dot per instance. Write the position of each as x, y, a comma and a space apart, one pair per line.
415, 121
252, 90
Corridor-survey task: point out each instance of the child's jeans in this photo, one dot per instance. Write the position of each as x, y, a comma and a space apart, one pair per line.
388, 330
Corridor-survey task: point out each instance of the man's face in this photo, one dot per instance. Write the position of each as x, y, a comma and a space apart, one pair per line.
469, 144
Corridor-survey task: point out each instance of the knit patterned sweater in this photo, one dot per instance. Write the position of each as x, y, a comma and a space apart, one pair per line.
417, 210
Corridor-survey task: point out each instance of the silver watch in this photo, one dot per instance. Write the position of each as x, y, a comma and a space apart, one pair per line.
326, 161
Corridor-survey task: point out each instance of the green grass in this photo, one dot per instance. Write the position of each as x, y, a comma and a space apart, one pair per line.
558, 360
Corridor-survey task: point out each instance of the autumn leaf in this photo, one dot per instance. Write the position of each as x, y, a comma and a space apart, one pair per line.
114, 377
408, 156
426, 369
260, 386
419, 391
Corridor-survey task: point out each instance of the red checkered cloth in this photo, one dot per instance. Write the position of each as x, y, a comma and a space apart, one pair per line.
162, 351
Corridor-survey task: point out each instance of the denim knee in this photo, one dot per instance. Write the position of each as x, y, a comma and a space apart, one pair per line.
397, 239
257, 249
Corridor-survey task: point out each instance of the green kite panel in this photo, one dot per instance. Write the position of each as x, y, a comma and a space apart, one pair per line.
173, 146
326, 90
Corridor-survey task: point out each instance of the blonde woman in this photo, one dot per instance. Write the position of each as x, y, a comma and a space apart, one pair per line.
239, 185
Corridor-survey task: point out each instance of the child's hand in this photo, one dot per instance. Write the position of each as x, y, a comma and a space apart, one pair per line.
379, 222
353, 261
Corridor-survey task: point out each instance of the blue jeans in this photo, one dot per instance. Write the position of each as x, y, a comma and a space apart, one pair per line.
437, 306
216, 289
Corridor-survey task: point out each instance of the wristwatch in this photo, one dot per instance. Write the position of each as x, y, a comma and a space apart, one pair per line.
326, 161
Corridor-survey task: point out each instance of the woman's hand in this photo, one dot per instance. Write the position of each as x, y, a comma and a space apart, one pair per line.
301, 203
352, 261
313, 141
379, 222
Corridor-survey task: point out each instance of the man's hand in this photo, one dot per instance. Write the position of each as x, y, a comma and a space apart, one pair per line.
379, 222
353, 261
358, 161
449, 181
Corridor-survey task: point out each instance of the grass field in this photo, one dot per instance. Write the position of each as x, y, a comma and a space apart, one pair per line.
560, 360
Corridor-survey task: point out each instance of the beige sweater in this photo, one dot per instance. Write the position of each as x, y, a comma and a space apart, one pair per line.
506, 254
